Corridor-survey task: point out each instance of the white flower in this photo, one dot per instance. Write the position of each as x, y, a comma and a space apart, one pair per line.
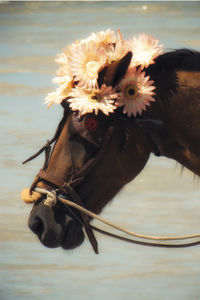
63, 60
145, 49
136, 92
89, 101
85, 62
81, 62
64, 80
54, 98
103, 38
65, 84
117, 50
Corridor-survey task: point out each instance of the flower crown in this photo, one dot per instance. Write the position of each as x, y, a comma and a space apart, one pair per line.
82, 62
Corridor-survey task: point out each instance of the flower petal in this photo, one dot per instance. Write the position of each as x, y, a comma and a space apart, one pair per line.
136, 92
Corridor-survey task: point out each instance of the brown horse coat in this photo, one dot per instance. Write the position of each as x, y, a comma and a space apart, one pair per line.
169, 127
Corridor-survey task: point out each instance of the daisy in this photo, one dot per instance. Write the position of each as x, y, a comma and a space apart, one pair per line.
89, 101
53, 98
136, 92
117, 50
64, 78
145, 49
65, 84
103, 38
62, 58
85, 61
61, 93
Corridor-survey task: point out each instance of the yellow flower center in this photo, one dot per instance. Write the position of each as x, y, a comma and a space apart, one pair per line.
92, 68
94, 97
130, 91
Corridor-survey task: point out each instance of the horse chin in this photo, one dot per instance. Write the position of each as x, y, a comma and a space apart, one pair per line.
73, 237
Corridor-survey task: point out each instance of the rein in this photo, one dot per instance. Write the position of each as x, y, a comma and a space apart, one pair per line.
68, 189
52, 198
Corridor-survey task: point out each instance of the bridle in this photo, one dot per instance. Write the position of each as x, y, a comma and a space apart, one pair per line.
67, 189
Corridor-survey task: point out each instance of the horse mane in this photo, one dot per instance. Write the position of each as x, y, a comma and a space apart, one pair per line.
163, 71
181, 59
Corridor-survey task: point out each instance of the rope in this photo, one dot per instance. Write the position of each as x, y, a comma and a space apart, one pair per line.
52, 200
142, 243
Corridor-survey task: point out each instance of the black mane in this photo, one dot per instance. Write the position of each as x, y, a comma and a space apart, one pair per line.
163, 71
181, 59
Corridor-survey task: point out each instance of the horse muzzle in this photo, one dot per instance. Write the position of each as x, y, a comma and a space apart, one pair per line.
54, 227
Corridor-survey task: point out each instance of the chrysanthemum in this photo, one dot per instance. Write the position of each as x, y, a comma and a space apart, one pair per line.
145, 49
65, 84
63, 60
54, 98
85, 62
136, 92
89, 101
64, 78
103, 38
117, 50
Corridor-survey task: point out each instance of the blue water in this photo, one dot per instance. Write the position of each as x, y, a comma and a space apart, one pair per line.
160, 200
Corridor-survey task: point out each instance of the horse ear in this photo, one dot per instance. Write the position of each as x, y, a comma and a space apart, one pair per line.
65, 104
121, 68
113, 73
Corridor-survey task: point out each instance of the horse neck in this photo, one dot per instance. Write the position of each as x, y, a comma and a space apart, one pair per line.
178, 114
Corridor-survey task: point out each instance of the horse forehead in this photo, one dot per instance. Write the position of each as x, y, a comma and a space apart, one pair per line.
90, 127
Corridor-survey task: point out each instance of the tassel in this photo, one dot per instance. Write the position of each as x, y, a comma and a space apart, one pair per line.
28, 197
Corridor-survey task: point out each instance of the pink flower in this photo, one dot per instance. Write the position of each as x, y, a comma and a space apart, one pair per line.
89, 101
145, 49
85, 61
136, 92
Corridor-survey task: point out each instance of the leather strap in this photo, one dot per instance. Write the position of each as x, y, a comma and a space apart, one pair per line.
66, 188
51, 179
56, 136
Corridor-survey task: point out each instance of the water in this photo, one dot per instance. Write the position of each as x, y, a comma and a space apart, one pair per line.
159, 201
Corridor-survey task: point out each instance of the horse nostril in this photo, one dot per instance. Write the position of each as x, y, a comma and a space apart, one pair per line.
36, 225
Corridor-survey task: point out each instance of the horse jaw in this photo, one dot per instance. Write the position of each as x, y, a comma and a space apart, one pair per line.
118, 166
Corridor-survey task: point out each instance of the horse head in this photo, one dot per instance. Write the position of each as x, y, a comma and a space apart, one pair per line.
96, 155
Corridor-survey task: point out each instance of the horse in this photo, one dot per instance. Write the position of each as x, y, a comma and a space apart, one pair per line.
94, 156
